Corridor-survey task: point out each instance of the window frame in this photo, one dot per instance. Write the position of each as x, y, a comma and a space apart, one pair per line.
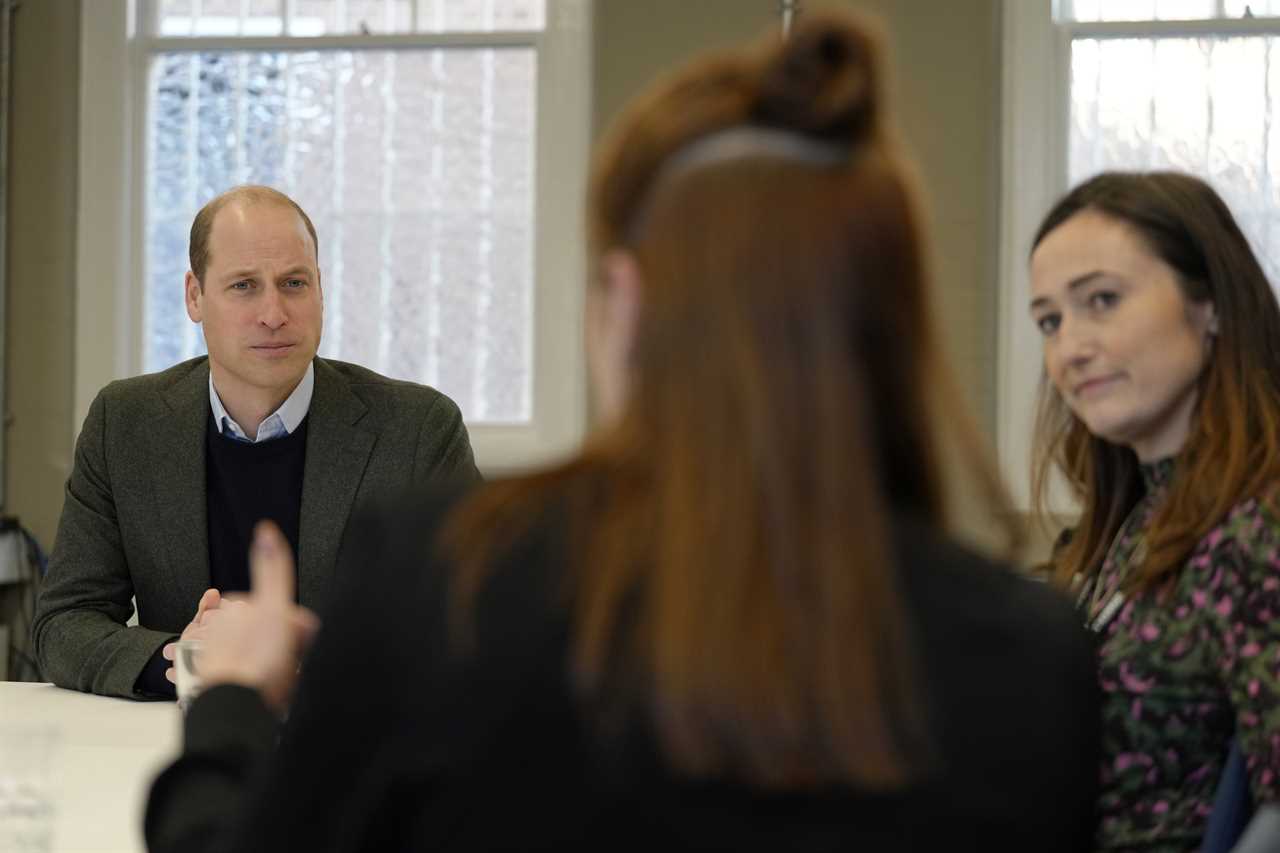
115, 55
1035, 116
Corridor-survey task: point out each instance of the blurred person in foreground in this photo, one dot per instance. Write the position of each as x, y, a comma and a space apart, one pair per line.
733, 621
1161, 406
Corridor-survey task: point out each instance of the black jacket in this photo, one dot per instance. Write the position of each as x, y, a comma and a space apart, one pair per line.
394, 743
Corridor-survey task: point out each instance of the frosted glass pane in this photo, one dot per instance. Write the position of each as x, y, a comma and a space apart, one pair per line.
327, 17
416, 167
1257, 8
342, 17
175, 17
481, 15
263, 18
220, 18
1201, 105
1139, 10
216, 18
1161, 10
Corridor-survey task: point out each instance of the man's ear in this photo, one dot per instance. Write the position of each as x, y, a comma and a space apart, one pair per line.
193, 296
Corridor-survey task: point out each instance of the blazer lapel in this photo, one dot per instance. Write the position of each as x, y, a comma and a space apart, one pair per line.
337, 453
178, 476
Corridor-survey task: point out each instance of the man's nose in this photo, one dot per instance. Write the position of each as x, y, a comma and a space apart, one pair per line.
273, 314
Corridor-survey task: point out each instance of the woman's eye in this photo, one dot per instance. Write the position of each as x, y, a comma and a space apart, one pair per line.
1048, 324
1103, 299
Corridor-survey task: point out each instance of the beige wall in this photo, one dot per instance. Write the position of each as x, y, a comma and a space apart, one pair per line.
40, 268
946, 87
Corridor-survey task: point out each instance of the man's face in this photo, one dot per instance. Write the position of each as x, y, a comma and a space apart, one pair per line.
260, 304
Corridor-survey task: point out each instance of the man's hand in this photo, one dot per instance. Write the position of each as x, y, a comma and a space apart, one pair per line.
211, 600
257, 639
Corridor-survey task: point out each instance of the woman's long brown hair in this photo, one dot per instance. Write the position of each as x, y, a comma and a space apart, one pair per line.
1233, 450
729, 546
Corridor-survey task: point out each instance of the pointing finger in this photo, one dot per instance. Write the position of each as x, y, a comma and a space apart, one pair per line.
271, 565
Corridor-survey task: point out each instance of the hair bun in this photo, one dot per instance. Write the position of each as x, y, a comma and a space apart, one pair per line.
824, 81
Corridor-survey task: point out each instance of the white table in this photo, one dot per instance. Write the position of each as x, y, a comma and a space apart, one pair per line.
107, 753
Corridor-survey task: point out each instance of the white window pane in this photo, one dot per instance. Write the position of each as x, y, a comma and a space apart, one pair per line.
1079, 10
1197, 105
1181, 10
262, 18
1140, 10
416, 167
215, 17
337, 17
220, 18
343, 17
1257, 8
481, 15
175, 17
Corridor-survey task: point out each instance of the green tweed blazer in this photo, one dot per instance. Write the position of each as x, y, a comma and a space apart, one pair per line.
134, 522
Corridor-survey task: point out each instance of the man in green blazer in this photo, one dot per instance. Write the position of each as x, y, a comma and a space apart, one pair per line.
173, 469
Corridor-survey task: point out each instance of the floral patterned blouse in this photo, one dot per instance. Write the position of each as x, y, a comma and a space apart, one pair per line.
1181, 675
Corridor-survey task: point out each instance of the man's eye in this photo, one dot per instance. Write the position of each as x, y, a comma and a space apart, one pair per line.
1048, 324
241, 285
295, 282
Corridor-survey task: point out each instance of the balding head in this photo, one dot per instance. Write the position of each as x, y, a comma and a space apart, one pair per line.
247, 194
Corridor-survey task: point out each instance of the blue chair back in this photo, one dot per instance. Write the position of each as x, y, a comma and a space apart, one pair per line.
1232, 805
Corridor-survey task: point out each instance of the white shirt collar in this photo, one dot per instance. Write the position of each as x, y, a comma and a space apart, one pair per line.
279, 423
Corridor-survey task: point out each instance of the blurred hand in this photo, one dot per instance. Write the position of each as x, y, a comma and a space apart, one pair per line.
257, 639
211, 600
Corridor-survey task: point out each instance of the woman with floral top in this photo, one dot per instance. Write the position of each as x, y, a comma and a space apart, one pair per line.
1161, 407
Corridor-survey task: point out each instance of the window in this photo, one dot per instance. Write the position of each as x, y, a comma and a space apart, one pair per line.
1192, 85
436, 144
1198, 97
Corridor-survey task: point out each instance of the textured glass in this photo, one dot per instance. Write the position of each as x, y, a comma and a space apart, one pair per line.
1201, 105
1139, 10
416, 167
344, 17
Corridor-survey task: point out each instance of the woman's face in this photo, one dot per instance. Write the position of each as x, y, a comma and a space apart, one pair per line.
1122, 343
